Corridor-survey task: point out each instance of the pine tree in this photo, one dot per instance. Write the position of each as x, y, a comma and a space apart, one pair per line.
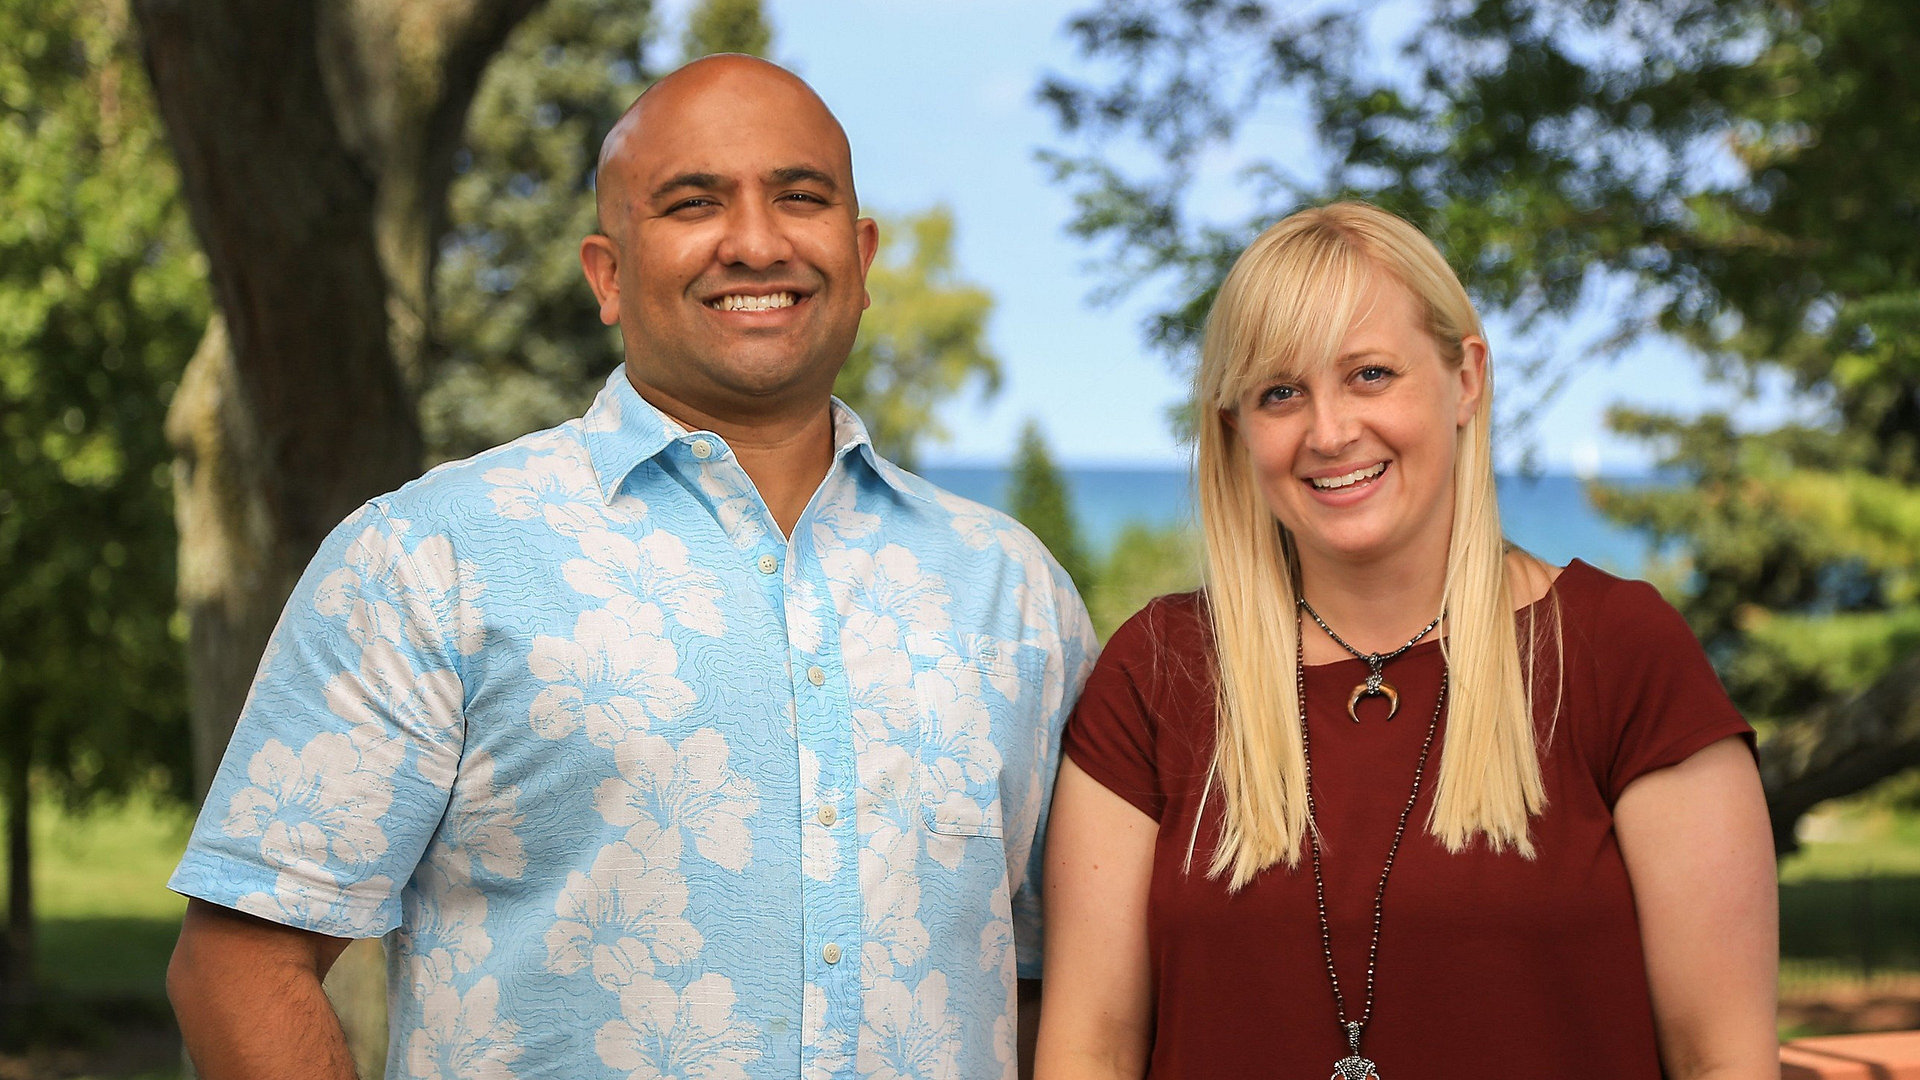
1038, 498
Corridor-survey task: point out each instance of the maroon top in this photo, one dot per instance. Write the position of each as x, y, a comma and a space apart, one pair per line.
1490, 965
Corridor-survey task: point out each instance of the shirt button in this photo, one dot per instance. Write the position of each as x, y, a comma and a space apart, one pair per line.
768, 564
828, 815
816, 676
701, 448
830, 953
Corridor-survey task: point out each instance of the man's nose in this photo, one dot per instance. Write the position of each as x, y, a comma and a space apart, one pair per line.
753, 237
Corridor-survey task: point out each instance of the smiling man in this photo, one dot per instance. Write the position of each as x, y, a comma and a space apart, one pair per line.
689, 738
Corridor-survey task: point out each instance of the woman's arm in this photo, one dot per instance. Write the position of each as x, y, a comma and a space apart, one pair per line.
1096, 1015
1699, 852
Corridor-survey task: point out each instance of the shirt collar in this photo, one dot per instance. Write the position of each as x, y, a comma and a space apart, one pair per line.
623, 430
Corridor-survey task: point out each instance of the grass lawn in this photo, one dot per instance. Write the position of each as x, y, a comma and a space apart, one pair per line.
106, 925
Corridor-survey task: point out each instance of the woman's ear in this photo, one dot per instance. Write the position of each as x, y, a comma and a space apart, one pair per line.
1472, 374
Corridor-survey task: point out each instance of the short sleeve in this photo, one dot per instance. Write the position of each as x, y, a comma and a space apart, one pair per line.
1660, 692
1111, 733
1074, 657
339, 769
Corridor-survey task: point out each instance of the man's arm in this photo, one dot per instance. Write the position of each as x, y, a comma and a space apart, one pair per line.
1027, 1023
247, 995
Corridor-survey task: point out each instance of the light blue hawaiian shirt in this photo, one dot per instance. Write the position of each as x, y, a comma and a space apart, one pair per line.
635, 787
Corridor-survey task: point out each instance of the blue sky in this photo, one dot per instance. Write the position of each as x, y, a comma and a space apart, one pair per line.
937, 99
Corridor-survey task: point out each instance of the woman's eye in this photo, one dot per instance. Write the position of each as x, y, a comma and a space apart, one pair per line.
1275, 395
1373, 373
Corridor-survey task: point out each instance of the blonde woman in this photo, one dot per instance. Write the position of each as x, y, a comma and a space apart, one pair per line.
1518, 830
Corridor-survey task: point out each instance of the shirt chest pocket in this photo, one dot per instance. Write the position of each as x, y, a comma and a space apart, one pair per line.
975, 733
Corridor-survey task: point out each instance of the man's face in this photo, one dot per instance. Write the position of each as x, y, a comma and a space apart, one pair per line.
735, 262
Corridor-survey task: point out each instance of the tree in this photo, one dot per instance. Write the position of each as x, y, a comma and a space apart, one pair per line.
1038, 498
315, 143
520, 346
1730, 160
726, 26
101, 299
921, 342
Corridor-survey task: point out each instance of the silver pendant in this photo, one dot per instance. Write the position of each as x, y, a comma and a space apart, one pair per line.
1354, 1067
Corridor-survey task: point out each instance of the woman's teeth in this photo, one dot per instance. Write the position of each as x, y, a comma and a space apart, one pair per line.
1329, 483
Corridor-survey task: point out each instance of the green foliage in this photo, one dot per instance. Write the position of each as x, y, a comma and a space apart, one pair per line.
921, 342
102, 299
1037, 496
726, 26
519, 343
1745, 166
1144, 562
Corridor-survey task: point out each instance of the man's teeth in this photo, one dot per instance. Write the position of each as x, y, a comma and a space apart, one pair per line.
738, 302
1331, 482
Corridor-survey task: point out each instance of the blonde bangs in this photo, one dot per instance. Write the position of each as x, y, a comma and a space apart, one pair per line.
1294, 305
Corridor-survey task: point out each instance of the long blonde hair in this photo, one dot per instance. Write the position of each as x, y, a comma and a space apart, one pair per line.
1289, 301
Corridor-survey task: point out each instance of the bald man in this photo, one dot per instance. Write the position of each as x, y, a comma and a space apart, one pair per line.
690, 738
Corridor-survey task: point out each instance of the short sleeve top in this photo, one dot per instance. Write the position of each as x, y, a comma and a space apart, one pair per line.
1489, 964
642, 787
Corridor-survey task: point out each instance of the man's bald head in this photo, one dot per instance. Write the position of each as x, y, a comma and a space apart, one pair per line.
746, 81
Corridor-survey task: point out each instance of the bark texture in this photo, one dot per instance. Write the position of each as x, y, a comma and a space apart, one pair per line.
315, 142
1842, 749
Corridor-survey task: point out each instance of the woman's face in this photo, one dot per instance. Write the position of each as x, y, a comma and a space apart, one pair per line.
1356, 458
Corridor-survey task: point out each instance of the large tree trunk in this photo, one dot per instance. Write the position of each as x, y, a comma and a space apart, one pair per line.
1842, 748
17, 959
315, 142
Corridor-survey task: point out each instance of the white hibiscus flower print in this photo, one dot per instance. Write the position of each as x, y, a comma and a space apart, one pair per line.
362, 590
558, 488
691, 1035
736, 504
445, 594
445, 923
805, 608
309, 895
688, 788
975, 523
659, 567
890, 583
895, 936
624, 916
879, 676
482, 824
386, 698
828, 1052
321, 804
837, 522
463, 1037
615, 677
956, 731
908, 1034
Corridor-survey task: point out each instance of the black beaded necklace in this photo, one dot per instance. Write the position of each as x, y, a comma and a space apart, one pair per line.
1355, 1067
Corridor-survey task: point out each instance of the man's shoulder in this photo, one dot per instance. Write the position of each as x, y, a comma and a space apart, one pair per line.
976, 527
544, 467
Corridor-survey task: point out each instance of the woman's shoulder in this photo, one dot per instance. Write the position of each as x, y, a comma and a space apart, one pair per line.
1608, 603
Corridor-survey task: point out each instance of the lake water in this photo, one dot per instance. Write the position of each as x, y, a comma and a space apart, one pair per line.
1548, 515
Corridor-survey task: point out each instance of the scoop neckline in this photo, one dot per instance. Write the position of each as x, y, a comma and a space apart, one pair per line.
1433, 643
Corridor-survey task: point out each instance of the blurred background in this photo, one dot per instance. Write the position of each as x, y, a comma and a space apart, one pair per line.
259, 262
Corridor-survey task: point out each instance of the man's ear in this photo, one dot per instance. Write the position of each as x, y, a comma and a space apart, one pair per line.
600, 258
866, 233
1473, 378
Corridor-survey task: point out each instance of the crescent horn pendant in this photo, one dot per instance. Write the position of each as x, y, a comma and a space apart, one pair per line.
1369, 688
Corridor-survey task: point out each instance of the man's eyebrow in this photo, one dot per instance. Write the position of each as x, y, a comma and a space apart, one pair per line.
803, 174
698, 180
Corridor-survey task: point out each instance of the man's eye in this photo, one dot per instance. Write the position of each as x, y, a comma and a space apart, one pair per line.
803, 197
696, 203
